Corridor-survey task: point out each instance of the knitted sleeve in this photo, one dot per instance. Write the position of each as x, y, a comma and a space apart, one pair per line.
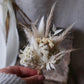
10, 79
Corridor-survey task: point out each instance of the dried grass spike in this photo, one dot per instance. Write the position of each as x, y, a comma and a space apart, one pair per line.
68, 29
62, 53
49, 20
58, 39
34, 43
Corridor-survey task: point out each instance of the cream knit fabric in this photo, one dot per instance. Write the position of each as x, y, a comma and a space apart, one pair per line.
10, 79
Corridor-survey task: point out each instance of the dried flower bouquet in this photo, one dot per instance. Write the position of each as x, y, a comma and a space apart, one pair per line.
43, 49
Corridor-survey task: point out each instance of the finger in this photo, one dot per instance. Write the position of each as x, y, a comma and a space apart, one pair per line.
37, 79
20, 71
27, 71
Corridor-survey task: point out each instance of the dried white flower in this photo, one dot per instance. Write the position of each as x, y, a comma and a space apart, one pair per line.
42, 50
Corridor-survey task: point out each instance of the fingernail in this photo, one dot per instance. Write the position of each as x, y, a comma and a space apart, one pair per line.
41, 77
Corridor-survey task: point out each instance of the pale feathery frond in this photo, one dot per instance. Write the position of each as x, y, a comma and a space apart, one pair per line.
34, 43
54, 28
62, 53
53, 60
48, 23
34, 29
41, 28
28, 33
58, 39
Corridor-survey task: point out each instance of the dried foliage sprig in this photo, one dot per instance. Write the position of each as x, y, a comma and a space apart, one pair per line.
43, 49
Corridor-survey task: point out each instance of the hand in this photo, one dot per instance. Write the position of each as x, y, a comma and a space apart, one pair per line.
29, 75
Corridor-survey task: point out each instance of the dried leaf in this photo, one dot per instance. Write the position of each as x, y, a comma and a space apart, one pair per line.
58, 31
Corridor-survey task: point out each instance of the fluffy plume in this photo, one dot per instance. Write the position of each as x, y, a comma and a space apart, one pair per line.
41, 27
48, 23
58, 39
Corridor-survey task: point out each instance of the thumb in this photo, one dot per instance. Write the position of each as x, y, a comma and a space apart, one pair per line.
37, 79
